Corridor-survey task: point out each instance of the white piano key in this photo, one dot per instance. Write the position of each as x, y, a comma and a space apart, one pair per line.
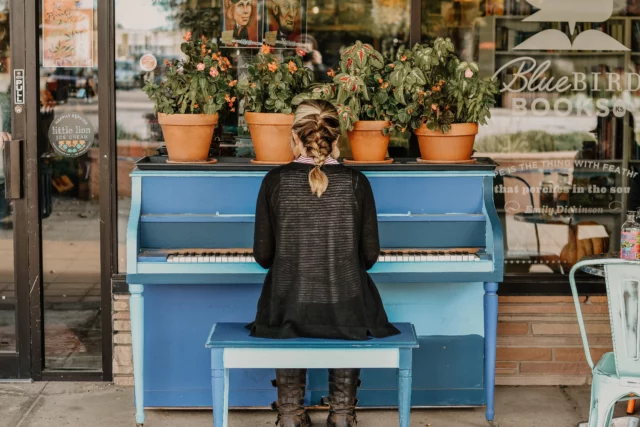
201, 258
439, 257
404, 258
476, 258
430, 258
448, 257
412, 258
170, 258
456, 258
217, 258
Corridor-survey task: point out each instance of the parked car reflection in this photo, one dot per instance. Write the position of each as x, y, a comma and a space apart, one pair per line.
65, 83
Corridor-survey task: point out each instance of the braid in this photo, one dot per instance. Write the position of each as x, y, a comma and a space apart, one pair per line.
318, 127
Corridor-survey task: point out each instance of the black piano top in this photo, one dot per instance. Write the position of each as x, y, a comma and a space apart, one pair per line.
159, 163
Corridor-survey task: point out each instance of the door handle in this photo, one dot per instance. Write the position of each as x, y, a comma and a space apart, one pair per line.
12, 161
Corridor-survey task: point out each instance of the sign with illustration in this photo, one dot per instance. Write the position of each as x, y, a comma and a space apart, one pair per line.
571, 11
71, 134
241, 23
286, 22
67, 33
532, 86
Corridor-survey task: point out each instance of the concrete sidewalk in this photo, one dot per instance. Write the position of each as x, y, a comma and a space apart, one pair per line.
58, 404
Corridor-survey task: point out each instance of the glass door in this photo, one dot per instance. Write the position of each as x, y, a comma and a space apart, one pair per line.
14, 285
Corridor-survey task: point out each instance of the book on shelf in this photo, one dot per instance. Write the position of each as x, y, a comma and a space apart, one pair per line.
518, 7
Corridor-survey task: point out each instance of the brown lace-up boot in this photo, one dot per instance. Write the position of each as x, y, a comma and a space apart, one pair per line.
290, 405
343, 385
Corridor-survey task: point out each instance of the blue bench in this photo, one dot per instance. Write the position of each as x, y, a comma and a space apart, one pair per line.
233, 348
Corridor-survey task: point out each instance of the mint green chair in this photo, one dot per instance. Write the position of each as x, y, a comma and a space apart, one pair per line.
617, 375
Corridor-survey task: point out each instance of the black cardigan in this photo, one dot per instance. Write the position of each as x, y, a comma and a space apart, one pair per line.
317, 251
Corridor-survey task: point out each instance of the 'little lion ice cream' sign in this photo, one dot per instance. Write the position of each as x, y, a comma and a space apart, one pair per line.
67, 33
71, 135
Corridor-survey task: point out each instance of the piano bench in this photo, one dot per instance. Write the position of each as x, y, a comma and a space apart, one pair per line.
233, 348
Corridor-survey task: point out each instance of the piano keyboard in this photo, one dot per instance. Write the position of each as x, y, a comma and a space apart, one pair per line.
385, 256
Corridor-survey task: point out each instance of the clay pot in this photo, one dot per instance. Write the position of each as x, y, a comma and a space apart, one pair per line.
271, 136
188, 136
453, 146
368, 143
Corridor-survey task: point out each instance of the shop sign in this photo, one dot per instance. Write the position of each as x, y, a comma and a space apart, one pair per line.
148, 62
71, 134
67, 33
527, 75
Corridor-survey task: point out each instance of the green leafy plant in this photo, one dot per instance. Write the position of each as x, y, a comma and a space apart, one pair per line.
361, 89
433, 86
200, 84
270, 85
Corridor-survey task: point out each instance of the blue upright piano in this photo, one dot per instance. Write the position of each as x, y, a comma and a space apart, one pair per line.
189, 265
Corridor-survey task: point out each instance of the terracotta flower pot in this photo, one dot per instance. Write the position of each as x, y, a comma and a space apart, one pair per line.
188, 136
455, 145
271, 136
368, 143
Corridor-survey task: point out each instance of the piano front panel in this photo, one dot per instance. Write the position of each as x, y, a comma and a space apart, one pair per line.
447, 367
393, 234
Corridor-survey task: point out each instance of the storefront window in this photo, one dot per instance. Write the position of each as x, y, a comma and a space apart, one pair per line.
69, 165
321, 27
564, 130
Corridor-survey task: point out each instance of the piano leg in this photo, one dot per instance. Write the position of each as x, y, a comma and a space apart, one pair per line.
490, 335
136, 304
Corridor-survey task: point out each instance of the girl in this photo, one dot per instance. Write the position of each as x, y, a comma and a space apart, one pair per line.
317, 233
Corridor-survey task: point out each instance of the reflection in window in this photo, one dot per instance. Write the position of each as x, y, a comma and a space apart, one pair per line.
564, 129
331, 25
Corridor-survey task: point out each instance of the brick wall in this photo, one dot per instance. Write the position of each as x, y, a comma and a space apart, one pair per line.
538, 340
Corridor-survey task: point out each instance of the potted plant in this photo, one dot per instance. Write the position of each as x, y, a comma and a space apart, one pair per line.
193, 93
363, 97
443, 99
268, 90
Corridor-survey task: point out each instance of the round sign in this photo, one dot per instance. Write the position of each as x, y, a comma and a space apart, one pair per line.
71, 134
148, 62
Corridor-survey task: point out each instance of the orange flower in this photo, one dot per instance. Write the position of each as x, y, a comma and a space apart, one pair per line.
265, 49
292, 67
232, 83
392, 65
403, 58
331, 73
187, 36
195, 105
227, 98
300, 52
434, 107
380, 80
253, 85
273, 67
214, 57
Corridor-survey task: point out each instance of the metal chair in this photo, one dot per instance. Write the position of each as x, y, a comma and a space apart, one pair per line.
617, 375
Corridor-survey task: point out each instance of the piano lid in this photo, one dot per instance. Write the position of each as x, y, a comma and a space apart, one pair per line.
159, 163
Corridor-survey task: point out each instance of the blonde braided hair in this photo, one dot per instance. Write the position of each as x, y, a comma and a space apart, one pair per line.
317, 125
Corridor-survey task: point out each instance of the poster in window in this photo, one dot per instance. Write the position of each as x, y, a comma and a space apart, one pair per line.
67, 33
286, 22
242, 23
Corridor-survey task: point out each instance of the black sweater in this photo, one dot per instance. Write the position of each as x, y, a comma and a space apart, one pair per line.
317, 251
